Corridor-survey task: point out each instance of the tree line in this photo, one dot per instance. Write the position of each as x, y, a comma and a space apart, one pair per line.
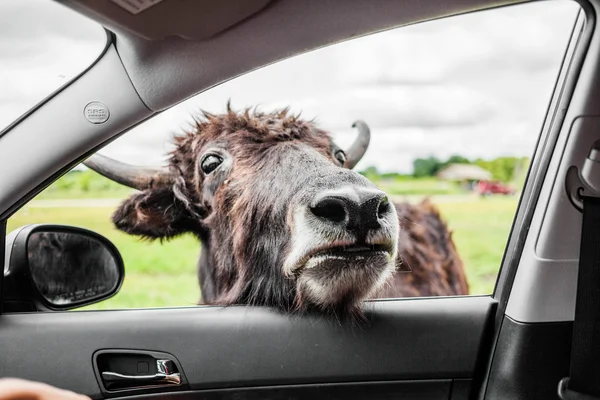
503, 169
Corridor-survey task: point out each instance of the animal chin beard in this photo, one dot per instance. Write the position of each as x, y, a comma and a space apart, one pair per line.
341, 282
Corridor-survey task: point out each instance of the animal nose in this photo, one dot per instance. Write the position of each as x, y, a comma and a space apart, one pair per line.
358, 209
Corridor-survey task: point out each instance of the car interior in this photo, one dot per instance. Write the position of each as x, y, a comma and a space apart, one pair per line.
513, 344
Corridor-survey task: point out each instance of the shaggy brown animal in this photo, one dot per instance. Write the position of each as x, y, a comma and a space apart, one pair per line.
427, 251
283, 220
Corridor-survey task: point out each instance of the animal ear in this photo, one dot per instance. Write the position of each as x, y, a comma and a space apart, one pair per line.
154, 214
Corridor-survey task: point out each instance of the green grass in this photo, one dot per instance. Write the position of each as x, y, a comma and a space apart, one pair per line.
159, 275
480, 231
75, 193
429, 186
84, 185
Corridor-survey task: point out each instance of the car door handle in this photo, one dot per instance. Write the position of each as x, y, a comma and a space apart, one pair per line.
143, 380
164, 377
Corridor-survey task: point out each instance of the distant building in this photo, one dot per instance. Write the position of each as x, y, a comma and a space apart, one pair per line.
463, 173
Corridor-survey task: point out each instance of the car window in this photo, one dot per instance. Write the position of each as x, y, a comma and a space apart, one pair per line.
43, 45
455, 107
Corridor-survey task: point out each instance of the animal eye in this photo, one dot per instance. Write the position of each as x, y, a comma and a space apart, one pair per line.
340, 156
210, 163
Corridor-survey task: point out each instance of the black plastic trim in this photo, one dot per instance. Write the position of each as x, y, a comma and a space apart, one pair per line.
2, 261
530, 360
461, 389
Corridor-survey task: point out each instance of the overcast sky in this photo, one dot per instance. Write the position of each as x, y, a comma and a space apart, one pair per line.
476, 85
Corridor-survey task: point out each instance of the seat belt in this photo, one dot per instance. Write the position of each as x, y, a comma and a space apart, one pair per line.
583, 382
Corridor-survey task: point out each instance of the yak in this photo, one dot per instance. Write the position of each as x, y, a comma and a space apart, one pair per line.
283, 220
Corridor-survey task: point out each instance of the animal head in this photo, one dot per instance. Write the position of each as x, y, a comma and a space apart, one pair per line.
282, 218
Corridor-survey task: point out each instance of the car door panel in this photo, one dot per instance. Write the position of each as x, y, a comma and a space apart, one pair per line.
430, 341
406, 390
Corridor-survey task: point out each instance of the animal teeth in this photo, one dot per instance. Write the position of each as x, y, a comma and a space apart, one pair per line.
338, 255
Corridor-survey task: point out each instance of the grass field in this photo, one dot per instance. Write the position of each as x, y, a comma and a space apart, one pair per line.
165, 274
429, 186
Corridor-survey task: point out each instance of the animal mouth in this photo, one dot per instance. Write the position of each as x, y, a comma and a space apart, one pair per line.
353, 250
350, 253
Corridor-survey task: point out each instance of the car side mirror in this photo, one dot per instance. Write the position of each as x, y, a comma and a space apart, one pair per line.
57, 267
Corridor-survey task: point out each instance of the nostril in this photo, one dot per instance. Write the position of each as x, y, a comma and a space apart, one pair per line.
331, 209
384, 207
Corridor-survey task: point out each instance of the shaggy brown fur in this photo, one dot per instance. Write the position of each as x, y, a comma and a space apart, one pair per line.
241, 212
428, 264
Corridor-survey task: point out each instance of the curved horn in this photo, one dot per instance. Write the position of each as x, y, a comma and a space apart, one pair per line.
135, 177
360, 145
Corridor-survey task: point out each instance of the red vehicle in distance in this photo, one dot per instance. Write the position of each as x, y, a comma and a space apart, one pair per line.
486, 188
